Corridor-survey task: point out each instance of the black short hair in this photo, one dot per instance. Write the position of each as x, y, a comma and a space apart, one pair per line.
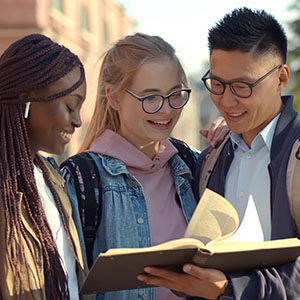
248, 30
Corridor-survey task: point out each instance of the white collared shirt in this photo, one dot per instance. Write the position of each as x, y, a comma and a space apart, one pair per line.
247, 184
58, 232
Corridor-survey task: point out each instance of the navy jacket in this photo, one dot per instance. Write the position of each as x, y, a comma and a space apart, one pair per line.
281, 282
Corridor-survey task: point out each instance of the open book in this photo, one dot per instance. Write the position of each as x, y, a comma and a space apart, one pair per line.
205, 244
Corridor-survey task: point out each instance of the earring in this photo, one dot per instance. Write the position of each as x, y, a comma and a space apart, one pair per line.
27, 107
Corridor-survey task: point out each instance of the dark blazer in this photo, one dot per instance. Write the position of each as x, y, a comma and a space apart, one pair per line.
282, 282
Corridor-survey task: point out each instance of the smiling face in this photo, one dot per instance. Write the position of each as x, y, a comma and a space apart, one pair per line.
51, 124
159, 76
248, 116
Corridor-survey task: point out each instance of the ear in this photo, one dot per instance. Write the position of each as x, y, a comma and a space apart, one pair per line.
284, 77
112, 98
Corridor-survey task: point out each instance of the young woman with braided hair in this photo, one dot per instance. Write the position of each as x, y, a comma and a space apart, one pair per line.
42, 88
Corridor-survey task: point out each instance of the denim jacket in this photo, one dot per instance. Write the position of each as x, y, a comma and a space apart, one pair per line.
124, 221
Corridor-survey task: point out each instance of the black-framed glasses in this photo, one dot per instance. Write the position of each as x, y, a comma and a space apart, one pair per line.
239, 88
154, 102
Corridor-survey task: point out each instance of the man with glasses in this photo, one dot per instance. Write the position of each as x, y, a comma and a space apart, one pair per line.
247, 73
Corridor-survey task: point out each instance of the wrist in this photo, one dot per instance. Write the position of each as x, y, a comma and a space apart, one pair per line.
228, 292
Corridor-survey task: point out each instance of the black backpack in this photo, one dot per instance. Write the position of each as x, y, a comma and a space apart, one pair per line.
90, 211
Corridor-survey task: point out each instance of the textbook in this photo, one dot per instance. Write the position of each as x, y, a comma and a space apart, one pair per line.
205, 244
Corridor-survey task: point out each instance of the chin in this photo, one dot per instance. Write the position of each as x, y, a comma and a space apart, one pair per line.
57, 151
60, 152
162, 136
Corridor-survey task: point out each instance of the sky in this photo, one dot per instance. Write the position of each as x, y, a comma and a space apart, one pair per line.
185, 23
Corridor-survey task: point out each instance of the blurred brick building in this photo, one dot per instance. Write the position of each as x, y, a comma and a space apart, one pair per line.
87, 27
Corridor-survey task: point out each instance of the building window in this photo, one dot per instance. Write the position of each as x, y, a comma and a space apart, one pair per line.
105, 33
85, 19
57, 4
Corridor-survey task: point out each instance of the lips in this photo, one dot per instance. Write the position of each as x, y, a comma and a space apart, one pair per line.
235, 116
66, 135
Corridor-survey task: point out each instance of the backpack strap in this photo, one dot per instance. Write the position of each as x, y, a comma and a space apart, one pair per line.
187, 155
293, 186
185, 152
87, 178
209, 164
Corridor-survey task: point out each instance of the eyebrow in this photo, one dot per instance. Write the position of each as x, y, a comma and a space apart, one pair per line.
235, 79
157, 90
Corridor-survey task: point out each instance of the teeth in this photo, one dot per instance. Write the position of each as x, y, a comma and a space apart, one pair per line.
161, 122
236, 114
66, 135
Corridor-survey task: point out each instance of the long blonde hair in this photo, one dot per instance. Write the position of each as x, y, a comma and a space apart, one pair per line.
119, 67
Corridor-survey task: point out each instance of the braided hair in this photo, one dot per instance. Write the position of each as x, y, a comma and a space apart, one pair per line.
30, 63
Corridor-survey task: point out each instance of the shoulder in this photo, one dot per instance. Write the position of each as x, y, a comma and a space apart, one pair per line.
184, 149
216, 151
53, 170
50, 162
78, 165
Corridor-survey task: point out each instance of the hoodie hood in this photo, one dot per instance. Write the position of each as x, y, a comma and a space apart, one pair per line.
112, 144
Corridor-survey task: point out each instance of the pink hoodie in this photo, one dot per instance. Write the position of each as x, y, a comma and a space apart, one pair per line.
166, 219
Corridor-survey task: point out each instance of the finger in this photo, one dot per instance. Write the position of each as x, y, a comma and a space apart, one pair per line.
204, 132
153, 280
206, 274
163, 273
161, 277
213, 127
220, 133
194, 271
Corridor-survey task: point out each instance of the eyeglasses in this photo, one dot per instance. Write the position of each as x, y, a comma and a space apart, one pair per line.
239, 88
154, 102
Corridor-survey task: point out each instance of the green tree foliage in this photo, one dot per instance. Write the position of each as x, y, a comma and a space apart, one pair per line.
294, 54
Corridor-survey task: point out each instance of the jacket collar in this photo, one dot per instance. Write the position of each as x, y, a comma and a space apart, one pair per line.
284, 125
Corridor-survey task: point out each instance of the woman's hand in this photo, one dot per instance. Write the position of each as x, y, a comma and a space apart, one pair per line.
217, 131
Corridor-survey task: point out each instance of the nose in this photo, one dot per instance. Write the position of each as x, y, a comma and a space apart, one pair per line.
166, 108
228, 99
77, 119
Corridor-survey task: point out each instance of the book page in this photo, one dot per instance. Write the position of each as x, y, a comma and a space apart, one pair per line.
238, 246
250, 228
214, 219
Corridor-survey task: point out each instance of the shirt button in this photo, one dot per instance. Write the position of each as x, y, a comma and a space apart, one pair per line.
145, 297
140, 220
132, 182
248, 155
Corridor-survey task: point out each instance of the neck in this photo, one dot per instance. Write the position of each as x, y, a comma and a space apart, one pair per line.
150, 149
